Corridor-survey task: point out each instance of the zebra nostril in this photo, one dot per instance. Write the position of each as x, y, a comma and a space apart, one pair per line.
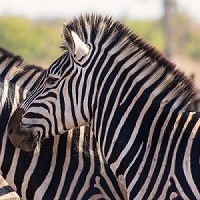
36, 137
10, 130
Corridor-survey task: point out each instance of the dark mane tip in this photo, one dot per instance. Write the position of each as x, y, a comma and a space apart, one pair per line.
16, 60
8, 55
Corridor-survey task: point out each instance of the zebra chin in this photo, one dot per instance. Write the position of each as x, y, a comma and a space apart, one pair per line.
21, 136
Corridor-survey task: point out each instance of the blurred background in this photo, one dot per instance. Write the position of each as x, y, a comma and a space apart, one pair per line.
32, 28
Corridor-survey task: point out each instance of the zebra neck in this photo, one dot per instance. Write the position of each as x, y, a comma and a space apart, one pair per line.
133, 87
132, 100
146, 137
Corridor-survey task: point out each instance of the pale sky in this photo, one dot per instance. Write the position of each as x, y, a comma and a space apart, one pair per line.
136, 9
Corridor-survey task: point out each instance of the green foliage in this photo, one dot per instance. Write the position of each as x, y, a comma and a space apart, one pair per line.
192, 48
150, 31
186, 37
37, 43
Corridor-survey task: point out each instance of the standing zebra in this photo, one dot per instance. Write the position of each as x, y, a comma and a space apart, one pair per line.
69, 166
134, 100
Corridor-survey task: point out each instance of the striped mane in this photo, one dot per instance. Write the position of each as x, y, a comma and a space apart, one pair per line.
13, 60
93, 28
12, 67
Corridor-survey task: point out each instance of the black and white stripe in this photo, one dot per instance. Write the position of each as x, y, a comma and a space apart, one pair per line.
6, 191
135, 101
69, 166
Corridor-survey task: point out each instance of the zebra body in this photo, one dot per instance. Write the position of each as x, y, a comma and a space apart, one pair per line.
134, 100
6, 191
69, 166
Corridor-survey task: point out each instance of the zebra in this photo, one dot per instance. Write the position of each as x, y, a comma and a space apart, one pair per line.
69, 166
6, 191
134, 100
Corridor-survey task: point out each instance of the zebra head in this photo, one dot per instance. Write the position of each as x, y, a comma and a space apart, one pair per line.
44, 112
100, 79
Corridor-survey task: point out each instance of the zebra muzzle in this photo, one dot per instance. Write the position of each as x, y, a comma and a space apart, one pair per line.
20, 134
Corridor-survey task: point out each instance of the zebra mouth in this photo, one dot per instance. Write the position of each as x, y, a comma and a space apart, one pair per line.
23, 138
28, 145
22, 135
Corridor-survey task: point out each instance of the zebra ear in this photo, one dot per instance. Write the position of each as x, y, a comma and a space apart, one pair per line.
68, 42
73, 43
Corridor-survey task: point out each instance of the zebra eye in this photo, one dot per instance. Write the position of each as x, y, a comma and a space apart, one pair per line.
51, 80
